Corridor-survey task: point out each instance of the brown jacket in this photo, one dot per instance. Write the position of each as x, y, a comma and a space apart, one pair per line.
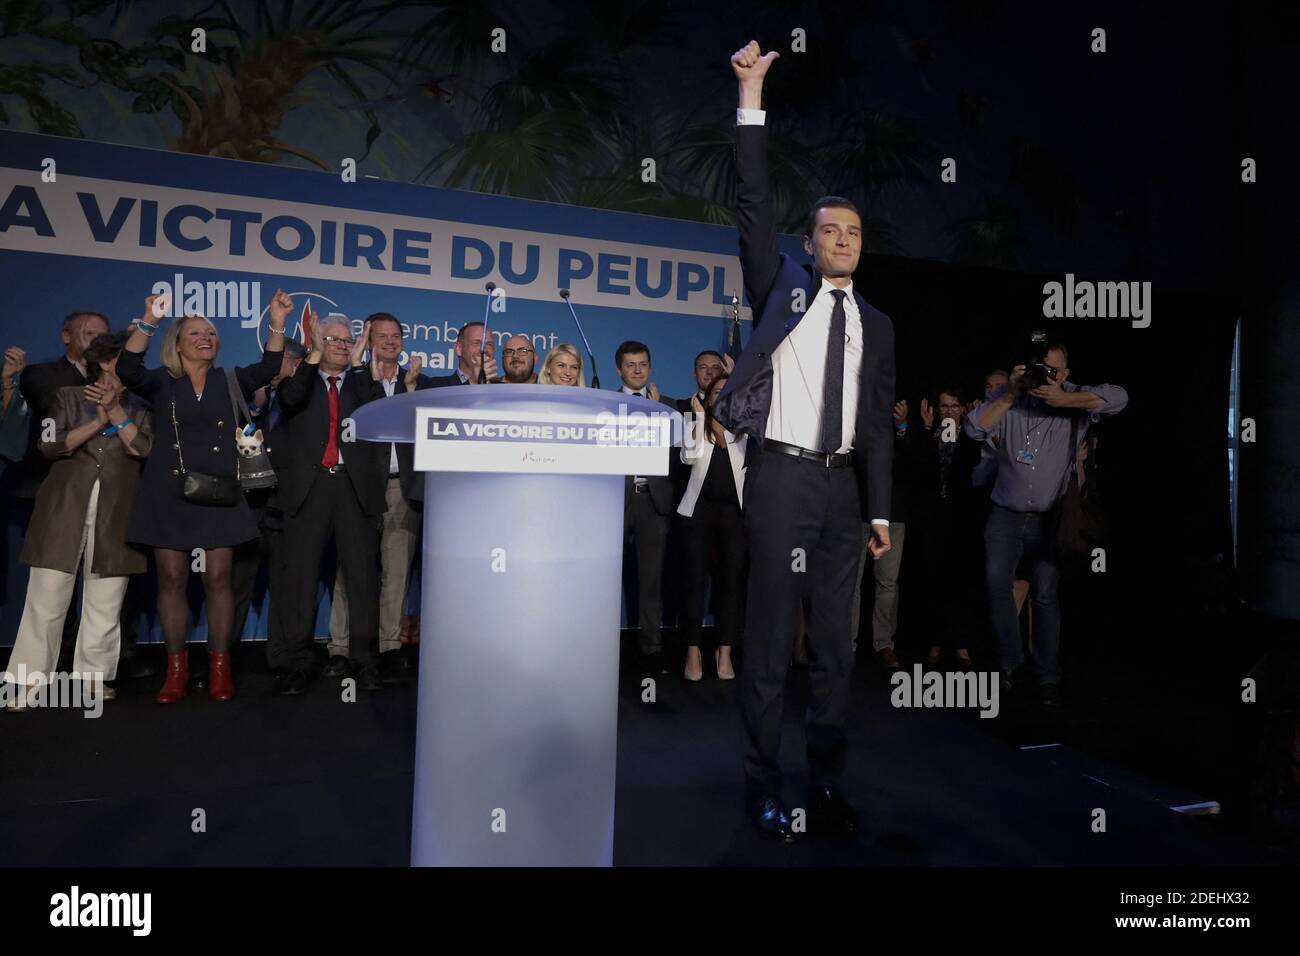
54, 535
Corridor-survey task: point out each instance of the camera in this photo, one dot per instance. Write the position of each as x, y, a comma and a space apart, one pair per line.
1037, 372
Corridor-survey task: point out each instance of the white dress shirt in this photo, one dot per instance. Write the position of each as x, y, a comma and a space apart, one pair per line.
643, 392
325, 377
390, 389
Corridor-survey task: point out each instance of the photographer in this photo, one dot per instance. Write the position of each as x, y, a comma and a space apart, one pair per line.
1031, 421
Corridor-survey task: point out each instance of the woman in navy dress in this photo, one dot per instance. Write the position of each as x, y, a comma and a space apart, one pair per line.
162, 519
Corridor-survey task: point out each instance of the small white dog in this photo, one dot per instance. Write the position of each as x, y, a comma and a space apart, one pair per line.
250, 446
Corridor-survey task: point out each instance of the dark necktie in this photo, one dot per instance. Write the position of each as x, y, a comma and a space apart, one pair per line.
833, 386
331, 457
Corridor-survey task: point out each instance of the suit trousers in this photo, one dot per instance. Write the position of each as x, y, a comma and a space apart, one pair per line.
49, 594
712, 543
248, 561
645, 535
330, 511
884, 611
804, 525
397, 538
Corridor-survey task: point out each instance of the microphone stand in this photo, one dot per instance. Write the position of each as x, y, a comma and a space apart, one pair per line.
482, 350
595, 378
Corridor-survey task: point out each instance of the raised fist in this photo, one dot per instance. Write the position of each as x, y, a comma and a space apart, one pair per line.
750, 64
280, 307
155, 308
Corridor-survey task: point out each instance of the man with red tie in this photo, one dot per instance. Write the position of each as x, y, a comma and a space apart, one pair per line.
330, 487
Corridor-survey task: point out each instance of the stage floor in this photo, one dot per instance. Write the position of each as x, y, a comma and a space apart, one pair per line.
316, 782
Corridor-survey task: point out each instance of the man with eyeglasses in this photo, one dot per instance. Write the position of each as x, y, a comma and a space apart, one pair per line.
520, 358
400, 530
330, 488
1032, 428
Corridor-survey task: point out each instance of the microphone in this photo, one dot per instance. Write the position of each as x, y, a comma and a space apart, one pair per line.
595, 378
482, 350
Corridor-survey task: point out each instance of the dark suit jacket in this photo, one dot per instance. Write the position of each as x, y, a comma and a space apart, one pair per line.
39, 386
305, 407
665, 490
770, 280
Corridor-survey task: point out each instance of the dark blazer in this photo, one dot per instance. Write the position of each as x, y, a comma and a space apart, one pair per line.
665, 490
54, 536
770, 280
304, 405
39, 385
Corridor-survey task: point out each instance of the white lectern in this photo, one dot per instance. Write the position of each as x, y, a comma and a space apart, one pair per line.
519, 628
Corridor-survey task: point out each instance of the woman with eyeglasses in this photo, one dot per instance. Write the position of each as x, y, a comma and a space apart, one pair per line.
563, 366
195, 418
711, 532
101, 436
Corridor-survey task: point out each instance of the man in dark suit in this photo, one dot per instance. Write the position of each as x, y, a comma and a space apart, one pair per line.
813, 390
268, 418
328, 487
648, 503
400, 530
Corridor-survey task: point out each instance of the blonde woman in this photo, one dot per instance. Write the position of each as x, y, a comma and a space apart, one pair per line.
195, 421
563, 366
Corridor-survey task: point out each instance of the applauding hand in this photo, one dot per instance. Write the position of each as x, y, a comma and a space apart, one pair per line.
413, 373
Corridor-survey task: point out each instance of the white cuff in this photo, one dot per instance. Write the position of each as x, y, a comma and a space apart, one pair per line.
883, 521
751, 117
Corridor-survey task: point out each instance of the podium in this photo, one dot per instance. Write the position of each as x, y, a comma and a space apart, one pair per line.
517, 720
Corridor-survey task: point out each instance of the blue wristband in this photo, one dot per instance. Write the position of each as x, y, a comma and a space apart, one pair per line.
114, 429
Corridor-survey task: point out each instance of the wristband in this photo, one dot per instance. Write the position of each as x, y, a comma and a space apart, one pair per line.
114, 429
275, 331
145, 327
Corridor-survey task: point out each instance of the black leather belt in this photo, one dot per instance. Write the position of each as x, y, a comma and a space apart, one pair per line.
819, 457
333, 470
641, 489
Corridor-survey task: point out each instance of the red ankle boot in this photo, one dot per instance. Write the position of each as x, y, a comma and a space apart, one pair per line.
178, 678
221, 684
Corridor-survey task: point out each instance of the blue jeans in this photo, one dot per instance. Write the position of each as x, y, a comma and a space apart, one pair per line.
1008, 536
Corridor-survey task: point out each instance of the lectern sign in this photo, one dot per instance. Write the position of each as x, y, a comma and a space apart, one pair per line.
572, 442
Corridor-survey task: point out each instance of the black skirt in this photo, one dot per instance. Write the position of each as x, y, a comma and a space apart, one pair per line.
162, 518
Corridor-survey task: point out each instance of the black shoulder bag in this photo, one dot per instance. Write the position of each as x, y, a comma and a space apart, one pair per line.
1081, 519
198, 488
255, 471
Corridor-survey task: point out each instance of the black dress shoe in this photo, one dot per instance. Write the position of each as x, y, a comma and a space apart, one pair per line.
394, 666
337, 667
770, 817
289, 683
829, 813
370, 678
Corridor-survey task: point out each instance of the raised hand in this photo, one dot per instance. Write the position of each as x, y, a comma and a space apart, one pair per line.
750, 64
728, 364
927, 413
15, 362
362, 343
314, 333
900, 412
280, 307
155, 308
653, 392
413, 372
490, 367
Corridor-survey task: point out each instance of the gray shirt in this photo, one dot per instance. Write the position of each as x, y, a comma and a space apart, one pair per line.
1033, 444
